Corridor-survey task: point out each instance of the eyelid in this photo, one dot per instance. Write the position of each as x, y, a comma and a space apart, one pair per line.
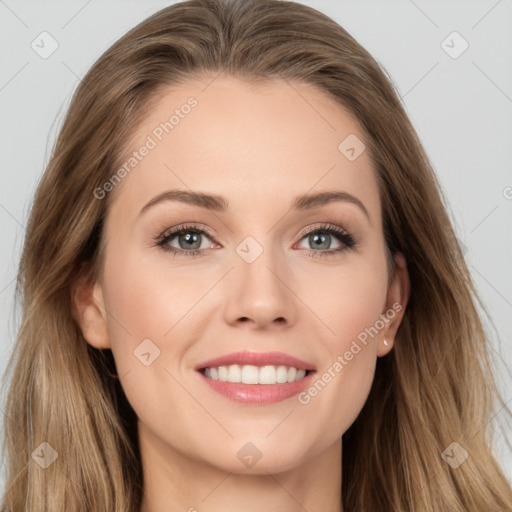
324, 226
186, 227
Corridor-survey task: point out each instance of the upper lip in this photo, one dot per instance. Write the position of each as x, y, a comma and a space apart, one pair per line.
256, 359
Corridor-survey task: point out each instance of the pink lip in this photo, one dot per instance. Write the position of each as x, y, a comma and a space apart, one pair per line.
261, 394
257, 359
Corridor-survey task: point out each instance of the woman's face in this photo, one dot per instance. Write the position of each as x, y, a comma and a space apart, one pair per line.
264, 271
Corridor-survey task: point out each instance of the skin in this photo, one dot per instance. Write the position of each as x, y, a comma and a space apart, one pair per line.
259, 146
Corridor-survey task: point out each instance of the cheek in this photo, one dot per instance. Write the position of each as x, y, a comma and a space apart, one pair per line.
151, 325
350, 306
148, 300
150, 312
347, 299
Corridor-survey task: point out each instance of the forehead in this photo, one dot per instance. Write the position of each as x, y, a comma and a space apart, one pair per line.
251, 142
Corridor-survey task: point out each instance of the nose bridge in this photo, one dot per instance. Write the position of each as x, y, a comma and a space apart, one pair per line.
257, 289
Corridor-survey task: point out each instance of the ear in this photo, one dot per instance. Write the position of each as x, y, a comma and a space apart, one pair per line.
396, 302
90, 313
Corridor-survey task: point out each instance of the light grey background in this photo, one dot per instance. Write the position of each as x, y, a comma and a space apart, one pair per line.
461, 108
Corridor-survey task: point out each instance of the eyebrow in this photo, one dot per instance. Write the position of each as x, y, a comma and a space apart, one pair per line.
219, 204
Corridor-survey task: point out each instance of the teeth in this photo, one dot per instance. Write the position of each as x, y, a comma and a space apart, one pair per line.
250, 374
223, 373
234, 373
267, 374
282, 374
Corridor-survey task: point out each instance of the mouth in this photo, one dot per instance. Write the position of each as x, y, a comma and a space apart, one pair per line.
251, 374
256, 378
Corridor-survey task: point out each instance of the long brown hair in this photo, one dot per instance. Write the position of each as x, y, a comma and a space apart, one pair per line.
434, 389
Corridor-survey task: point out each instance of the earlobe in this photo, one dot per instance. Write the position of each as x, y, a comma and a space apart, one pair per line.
396, 302
90, 313
384, 346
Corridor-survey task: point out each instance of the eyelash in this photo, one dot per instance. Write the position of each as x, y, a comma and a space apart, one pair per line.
346, 238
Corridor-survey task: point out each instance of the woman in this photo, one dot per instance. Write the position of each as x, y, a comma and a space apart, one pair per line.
183, 349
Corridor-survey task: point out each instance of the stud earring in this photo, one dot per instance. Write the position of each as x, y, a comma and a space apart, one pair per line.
386, 342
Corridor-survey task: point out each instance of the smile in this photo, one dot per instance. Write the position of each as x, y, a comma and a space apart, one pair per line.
256, 378
250, 374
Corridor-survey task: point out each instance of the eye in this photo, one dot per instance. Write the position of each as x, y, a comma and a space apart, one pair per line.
321, 239
189, 240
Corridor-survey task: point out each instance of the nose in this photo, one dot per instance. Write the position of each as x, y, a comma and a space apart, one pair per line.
259, 294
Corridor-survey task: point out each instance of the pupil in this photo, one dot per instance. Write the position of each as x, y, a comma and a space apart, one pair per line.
190, 239
324, 237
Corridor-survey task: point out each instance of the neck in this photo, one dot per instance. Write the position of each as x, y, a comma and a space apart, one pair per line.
175, 482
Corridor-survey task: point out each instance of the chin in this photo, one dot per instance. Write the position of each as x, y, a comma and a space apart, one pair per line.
258, 457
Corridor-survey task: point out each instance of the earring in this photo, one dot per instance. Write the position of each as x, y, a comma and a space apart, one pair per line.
386, 342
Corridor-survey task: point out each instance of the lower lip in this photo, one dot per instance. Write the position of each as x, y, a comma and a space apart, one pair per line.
261, 394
